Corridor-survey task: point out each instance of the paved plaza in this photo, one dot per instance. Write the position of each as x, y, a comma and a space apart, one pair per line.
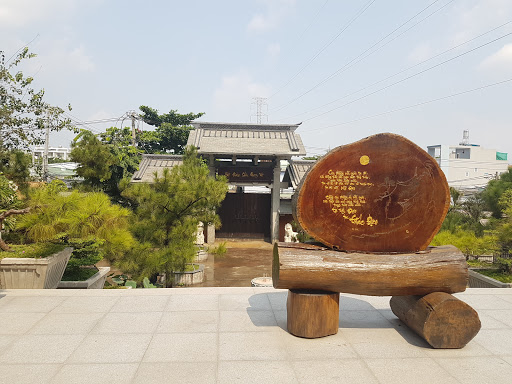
233, 335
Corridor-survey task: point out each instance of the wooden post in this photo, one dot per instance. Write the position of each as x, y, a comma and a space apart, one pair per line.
303, 266
312, 314
440, 318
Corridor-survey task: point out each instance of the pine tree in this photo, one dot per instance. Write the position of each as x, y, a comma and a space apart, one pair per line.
168, 212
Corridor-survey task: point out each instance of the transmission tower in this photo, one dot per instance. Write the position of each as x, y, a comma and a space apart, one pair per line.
260, 108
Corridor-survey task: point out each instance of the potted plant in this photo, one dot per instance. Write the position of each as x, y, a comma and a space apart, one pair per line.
88, 222
36, 266
81, 272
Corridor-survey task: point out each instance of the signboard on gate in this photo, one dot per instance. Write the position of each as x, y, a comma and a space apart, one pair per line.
247, 174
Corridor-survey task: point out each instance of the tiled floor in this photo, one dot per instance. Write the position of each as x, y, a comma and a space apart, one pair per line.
230, 335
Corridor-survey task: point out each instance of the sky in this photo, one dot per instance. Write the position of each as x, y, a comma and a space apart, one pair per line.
424, 69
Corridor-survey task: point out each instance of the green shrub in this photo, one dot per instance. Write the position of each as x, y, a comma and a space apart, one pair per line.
219, 250
33, 251
466, 241
504, 265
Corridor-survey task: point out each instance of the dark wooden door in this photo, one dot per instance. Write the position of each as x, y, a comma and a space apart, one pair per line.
245, 215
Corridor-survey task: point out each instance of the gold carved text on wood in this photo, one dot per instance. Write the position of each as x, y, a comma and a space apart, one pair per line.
342, 196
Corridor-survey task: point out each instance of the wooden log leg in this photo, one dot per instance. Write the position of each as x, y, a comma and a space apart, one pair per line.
312, 313
440, 318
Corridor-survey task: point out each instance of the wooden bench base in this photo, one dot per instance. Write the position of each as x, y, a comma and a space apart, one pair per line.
304, 266
440, 318
312, 314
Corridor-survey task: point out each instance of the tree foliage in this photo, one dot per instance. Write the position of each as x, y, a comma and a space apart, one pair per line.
87, 221
23, 111
107, 160
8, 200
168, 211
494, 190
171, 133
93, 157
466, 241
463, 227
151, 117
15, 165
504, 229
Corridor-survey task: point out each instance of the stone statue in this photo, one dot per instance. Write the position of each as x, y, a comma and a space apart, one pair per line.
289, 235
200, 234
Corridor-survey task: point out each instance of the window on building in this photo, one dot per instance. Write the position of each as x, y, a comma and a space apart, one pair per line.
463, 153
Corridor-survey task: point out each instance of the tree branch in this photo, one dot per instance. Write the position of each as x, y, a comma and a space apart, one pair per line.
190, 205
11, 212
3, 216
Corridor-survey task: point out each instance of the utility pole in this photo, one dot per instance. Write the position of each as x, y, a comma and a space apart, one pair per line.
260, 103
133, 116
45, 153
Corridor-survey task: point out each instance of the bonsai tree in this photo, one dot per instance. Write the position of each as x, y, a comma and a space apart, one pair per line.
10, 205
167, 214
89, 222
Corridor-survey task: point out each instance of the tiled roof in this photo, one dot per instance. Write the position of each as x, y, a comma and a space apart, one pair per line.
296, 171
154, 163
246, 139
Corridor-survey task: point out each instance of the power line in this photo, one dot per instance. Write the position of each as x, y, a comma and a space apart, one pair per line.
22, 47
400, 72
313, 19
360, 12
412, 106
355, 60
409, 77
100, 121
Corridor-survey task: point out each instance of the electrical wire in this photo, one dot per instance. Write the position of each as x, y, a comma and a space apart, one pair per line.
313, 19
412, 106
22, 47
398, 73
360, 12
353, 62
408, 77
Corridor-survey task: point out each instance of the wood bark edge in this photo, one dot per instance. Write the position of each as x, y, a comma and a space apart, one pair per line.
442, 269
440, 318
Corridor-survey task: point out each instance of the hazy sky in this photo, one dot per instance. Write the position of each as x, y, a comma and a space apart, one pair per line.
346, 69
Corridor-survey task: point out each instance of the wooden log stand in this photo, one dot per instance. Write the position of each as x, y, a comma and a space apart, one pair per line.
442, 269
312, 314
375, 205
440, 318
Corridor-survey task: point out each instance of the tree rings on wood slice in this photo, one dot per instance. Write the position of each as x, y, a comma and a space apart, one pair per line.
380, 194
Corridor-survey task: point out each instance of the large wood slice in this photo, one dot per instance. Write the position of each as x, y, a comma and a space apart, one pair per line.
303, 266
441, 319
380, 194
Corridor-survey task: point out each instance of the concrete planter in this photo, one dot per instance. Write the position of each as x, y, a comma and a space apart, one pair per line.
477, 280
96, 281
27, 273
201, 254
189, 278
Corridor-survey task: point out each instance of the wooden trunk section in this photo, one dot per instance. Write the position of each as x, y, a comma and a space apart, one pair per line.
312, 314
440, 318
380, 194
301, 266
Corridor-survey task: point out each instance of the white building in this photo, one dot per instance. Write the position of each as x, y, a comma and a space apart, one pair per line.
467, 165
53, 153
